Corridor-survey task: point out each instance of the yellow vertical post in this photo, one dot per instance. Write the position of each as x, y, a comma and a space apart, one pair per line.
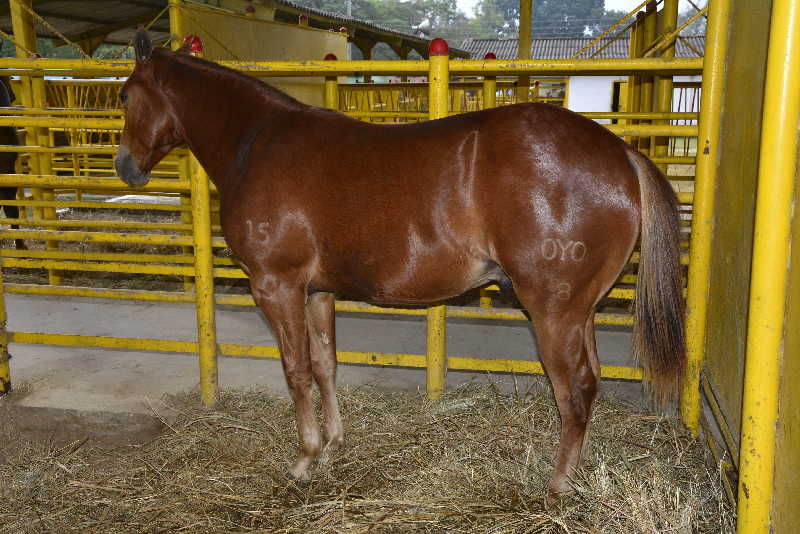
648, 36
72, 103
489, 87
184, 165
24, 33
33, 95
185, 170
634, 82
331, 99
438, 93
705, 186
489, 101
203, 268
45, 166
771, 246
204, 285
524, 46
664, 88
5, 369
177, 31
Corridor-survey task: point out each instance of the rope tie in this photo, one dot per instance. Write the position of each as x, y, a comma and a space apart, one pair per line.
13, 41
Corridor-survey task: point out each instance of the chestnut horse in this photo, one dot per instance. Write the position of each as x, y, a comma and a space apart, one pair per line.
316, 205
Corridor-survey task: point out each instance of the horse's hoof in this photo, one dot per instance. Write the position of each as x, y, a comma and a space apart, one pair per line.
558, 491
330, 451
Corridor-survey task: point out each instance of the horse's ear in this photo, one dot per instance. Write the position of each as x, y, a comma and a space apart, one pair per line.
142, 45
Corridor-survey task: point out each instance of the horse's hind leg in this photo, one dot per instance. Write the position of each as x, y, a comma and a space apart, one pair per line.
283, 305
564, 351
320, 315
594, 362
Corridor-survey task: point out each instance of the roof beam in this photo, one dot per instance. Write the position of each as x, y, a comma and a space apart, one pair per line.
69, 16
105, 30
5, 7
154, 4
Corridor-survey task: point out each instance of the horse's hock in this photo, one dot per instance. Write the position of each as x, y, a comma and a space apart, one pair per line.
162, 244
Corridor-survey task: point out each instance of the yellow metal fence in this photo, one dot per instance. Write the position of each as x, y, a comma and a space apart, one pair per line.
179, 256
408, 101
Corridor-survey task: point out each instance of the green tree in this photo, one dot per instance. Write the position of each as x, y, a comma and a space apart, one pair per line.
558, 18
698, 27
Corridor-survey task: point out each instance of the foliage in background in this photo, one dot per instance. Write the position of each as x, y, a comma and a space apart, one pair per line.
48, 48
698, 27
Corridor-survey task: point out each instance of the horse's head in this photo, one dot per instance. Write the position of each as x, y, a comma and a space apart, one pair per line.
151, 128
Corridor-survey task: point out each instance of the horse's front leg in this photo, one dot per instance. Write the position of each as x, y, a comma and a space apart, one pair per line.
321, 316
283, 304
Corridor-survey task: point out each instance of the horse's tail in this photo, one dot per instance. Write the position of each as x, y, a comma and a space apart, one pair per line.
658, 335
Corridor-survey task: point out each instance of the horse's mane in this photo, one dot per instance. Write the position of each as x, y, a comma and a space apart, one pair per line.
215, 69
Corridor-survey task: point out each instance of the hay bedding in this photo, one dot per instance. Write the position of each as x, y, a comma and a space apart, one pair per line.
474, 462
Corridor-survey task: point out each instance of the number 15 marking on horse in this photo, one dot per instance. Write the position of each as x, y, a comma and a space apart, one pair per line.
564, 250
260, 232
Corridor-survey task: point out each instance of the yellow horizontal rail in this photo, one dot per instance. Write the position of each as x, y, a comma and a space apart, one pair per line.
102, 293
183, 259
663, 130
352, 357
387, 114
100, 184
84, 149
674, 66
98, 237
88, 112
63, 122
68, 223
96, 205
131, 268
641, 115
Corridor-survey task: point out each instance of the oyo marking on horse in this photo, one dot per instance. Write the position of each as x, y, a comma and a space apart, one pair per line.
556, 248
325, 339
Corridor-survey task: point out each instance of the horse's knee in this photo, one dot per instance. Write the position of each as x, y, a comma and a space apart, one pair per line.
298, 378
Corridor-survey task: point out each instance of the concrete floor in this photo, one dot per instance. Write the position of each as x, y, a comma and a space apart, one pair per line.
126, 381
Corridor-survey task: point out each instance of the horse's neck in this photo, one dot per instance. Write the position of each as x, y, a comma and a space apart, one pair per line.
219, 132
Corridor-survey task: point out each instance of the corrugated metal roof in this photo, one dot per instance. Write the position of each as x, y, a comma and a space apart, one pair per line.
117, 21
566, 47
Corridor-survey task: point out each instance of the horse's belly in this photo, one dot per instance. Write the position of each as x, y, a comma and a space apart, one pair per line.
413, 283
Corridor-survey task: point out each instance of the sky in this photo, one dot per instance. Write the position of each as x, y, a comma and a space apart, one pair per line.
619, 5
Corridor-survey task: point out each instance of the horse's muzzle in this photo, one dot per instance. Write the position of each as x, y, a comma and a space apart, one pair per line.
128, 170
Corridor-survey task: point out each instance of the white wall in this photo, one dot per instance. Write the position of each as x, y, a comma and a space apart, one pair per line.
591, 93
